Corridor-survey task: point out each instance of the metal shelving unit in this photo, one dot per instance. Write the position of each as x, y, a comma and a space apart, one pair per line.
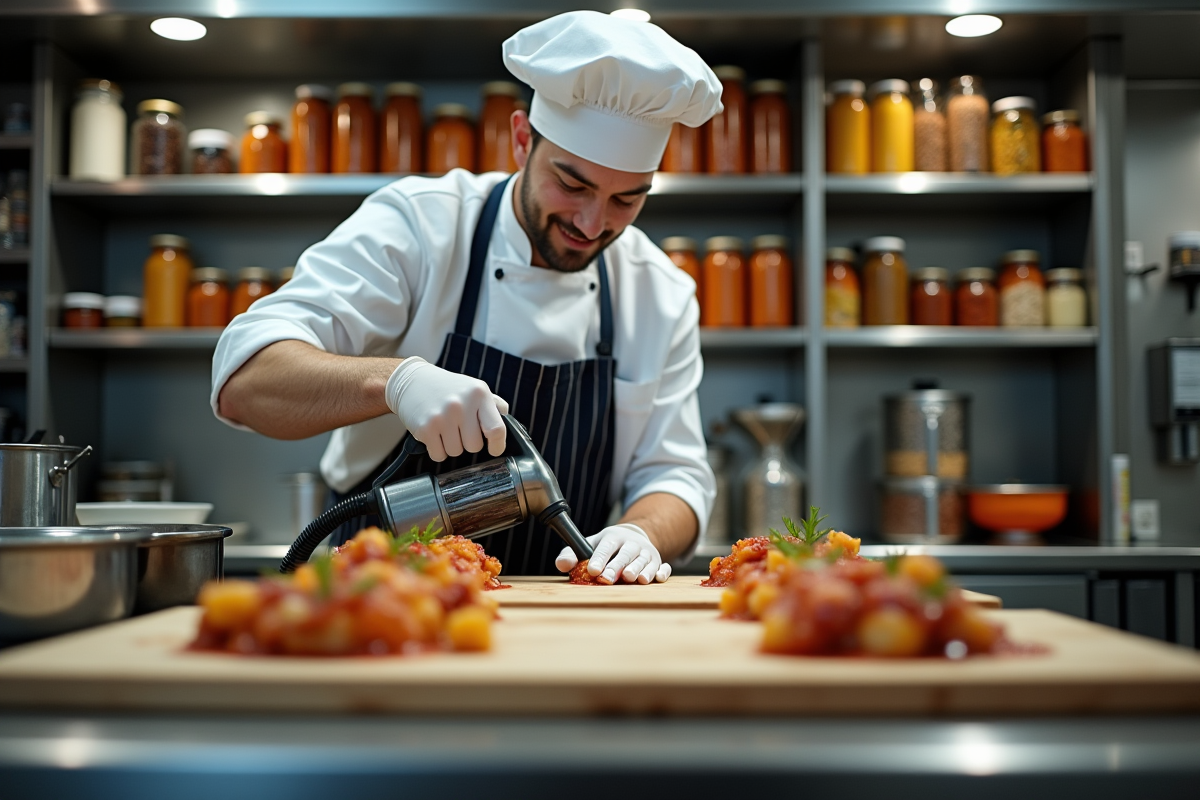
16, 141
135, 338
14, 256
914, 336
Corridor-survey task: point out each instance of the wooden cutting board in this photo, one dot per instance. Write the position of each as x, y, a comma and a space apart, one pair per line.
681, 591
604, 661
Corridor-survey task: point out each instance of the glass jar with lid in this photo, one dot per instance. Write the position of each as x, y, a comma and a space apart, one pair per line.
976, 302
885, 282
685, 150
285, 275
848, 129
726, 139
930, 297
450, 140
770, 128
682, 252
495, 127
967, 120
122, 311
83, 310
401, 129
312, 120
252, 283
263, 147
158, 138
1064, 144
166, 276
1016, 141
98, 132
354, 129
929, 128
843, 296
891, 126
724, 278
1022, 290
208, 298
1066, 299
770, 274
212, 151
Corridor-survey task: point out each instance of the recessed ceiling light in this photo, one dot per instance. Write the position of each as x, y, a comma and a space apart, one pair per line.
634, 14
179, 29
971, 25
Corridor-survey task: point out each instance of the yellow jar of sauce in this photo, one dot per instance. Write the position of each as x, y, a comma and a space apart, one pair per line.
1016, 139
891, 127
166, 276
848, 129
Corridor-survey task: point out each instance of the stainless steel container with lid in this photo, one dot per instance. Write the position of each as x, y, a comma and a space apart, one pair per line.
926, 433
38, 484
773, 484
922, 510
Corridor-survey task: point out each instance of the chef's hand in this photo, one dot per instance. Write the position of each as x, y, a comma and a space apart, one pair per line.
623, 550
445, 411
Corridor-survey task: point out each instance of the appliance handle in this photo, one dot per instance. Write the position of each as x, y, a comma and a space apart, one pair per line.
58, 474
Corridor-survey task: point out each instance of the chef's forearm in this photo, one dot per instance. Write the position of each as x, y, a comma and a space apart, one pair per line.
667, 520
292, 390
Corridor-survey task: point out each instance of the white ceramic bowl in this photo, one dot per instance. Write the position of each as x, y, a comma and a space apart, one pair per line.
142, 513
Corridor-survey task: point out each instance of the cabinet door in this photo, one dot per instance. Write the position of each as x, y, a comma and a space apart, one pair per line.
1063, 593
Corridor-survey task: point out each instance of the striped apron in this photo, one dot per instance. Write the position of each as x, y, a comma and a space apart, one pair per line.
567, 408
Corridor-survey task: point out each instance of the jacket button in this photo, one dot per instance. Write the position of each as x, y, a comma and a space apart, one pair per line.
591, 287
499, 273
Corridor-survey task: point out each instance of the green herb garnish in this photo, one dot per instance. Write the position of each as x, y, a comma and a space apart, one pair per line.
807, 532
323, 566
416, 536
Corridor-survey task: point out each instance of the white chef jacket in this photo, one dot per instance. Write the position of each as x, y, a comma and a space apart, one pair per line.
388, 282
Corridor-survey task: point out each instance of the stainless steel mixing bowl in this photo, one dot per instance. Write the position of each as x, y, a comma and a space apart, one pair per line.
174, 561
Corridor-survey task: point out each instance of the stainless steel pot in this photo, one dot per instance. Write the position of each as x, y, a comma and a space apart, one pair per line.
38, 484
175, 561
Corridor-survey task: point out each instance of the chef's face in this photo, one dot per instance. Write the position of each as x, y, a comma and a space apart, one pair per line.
571, 208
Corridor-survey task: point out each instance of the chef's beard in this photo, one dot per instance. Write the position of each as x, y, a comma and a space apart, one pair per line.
558, 260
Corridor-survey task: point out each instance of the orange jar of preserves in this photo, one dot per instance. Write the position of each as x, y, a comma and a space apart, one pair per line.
885, 282
165, 279
208, 299
312, 117
932, 303
263, 147
451, 140
252, 283
770, 128
976, 302
354, 130
1064, 144
848, 129
400, 129
682, 252
724, 278
685, 150
495, 127
843, 295
770, 282
725, 151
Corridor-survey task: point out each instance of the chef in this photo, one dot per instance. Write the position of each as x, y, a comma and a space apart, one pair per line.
441, 304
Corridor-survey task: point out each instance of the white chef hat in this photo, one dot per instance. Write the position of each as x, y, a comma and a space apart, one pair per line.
608, 89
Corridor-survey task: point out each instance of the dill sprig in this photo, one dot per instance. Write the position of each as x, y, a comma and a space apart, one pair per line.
808, 533
416, 536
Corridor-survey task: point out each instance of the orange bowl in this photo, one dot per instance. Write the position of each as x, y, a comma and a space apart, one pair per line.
1023, 507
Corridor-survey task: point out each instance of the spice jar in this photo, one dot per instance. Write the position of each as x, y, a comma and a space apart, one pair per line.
1022, 290
212, 151
165, 277
682, 252
312, 118
930, 297
967, 124
885, 282
208, 299
1066, 299
770, 128
450, 140
1064, 144
285, 275
98, 132
252, 283
848, 129
685, 150
929, 128
158, 138
726, 140
495, 127
122, 311
1016, 140
891, 127
843, 297
263, 147
770, 282
724, 278
401, 130
83, 310
353, 130
976, 303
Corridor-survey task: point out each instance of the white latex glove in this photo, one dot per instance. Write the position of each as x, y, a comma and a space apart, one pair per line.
445, 411
623, 550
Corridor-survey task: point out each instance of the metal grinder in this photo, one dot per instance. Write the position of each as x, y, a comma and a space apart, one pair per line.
470, 502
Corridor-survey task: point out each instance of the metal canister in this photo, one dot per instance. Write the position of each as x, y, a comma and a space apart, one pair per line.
926, 433
38, 485
717, 532
307, 498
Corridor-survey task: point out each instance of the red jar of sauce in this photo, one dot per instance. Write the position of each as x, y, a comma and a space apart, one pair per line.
931, 301
770, 128
685, 150
208, 299
263, 147
682, 252
312, 117
726, 140
83, 310
253, 283
495, 127
401, 130
976, 302
770, 282
450, 140
724, 278
354, 130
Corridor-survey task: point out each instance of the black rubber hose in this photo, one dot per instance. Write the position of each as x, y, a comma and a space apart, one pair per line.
358, 505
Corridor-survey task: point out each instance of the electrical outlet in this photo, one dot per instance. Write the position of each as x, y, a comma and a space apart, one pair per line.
1144, 518
1135, 257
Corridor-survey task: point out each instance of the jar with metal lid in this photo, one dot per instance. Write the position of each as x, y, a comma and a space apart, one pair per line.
158, 138
166, 276
1066, 299
1022, 290
724, 279
212, 151
685, 150
967, 120
401, 129
682, 252
891, 127
1064, 144
848, 129
354, 130
122, 311
843, 296
252, 283
98, 132
931, 300
495, 126
312, 120
208, 299
285, 275
976, 302
770, 273
263, 147
885, 282
726, 139
450, 140
929, 128
83, 310
770, 128
1016, 141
